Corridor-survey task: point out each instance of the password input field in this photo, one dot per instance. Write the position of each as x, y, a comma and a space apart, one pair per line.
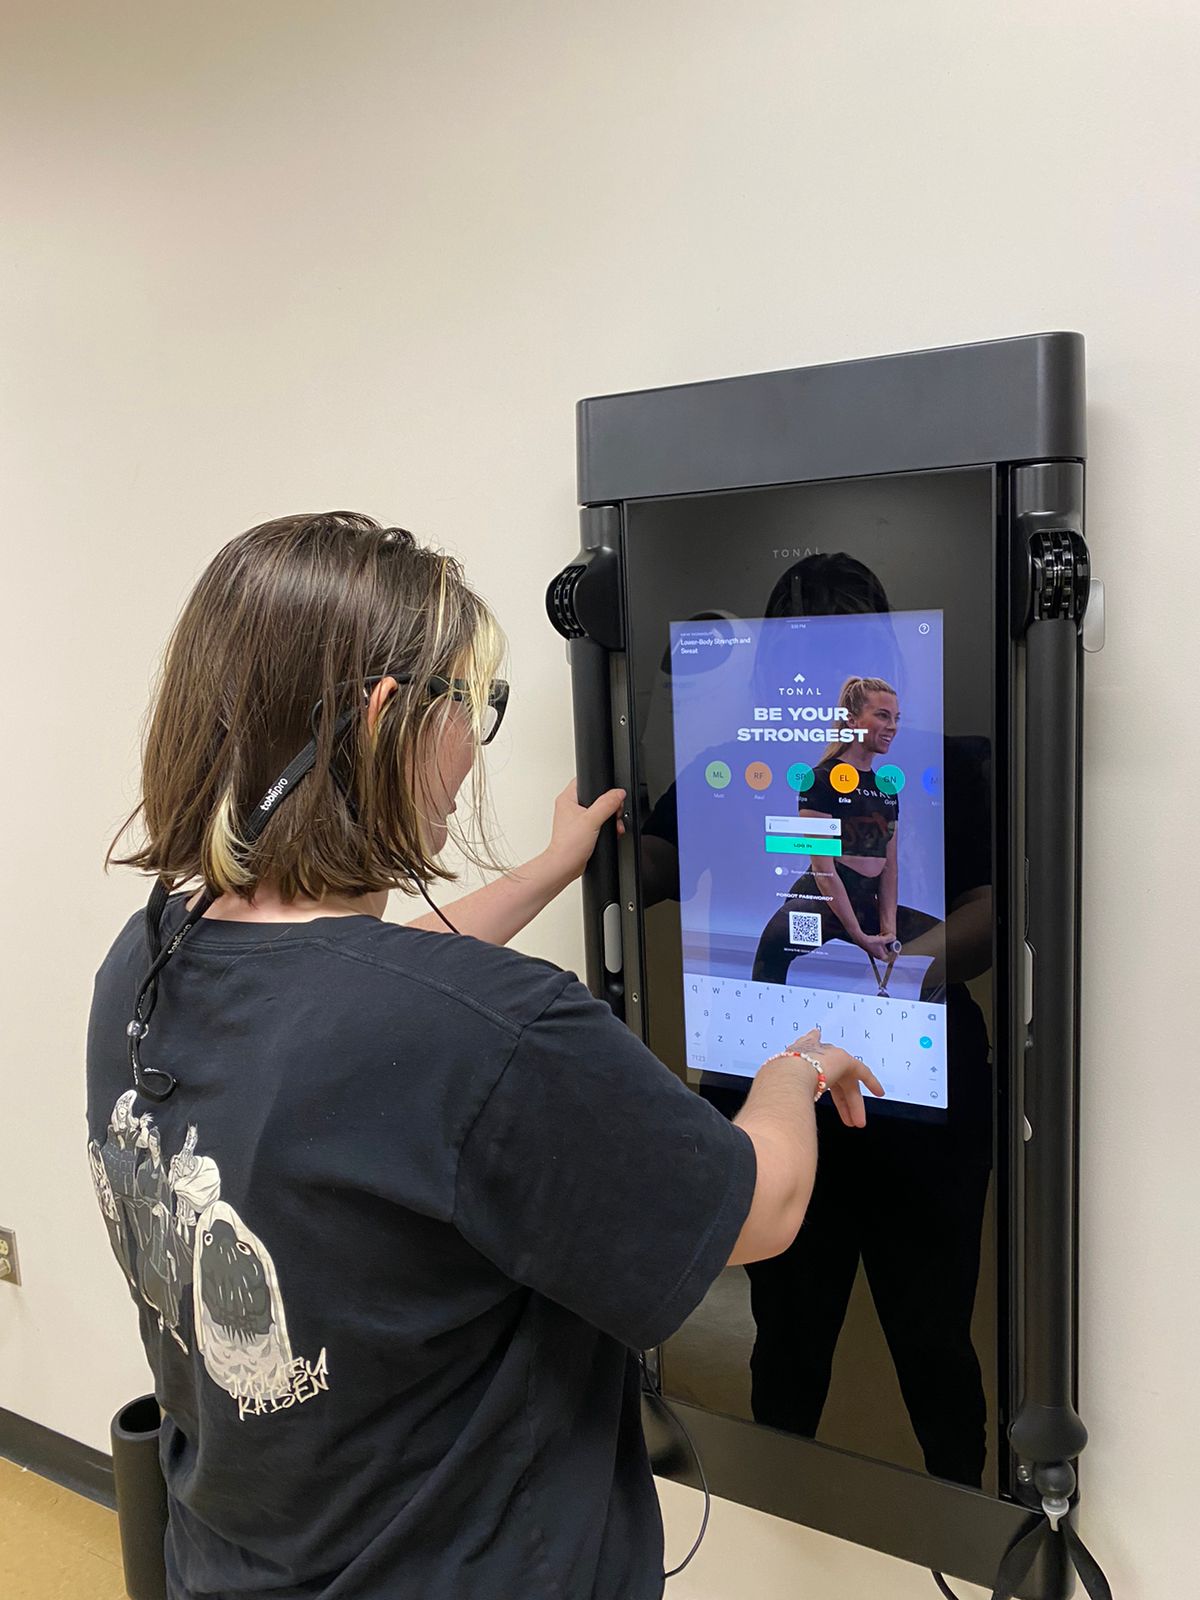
820, 827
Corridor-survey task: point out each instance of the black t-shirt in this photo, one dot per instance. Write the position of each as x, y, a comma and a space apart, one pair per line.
393, 1241
867, 814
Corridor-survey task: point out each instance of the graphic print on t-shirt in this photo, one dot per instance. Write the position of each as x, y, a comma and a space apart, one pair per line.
184, 1248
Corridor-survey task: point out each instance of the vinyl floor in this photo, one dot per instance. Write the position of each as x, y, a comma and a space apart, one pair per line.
55, 1545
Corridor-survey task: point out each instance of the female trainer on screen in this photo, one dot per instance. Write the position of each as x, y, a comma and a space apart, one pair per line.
403, 1203
855, 894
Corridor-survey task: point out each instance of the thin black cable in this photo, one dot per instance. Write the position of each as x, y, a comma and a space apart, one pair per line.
437, 910
943, 1587
674, 1571
672, 1416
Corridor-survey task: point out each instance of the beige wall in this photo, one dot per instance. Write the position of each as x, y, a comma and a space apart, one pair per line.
270, 255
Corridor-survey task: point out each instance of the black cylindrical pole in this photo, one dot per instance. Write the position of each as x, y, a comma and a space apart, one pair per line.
141, 1497
1047, 1432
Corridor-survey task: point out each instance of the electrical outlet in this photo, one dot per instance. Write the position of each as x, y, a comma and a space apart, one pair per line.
10, 1267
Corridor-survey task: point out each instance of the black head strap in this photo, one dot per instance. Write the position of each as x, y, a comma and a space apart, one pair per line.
155, 1082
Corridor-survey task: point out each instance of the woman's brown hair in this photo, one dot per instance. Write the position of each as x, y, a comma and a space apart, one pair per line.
292, 612
853, 698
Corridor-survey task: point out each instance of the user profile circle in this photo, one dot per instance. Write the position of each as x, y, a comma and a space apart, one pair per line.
717, 775
844, 778
801, 777
890, 779
758, 775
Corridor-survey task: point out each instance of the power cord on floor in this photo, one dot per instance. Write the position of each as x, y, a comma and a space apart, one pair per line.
943, 1587
650, 1390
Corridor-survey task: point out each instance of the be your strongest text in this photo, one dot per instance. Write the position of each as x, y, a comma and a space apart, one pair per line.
801, 725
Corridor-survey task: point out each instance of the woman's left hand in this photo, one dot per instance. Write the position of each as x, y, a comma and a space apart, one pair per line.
576, 828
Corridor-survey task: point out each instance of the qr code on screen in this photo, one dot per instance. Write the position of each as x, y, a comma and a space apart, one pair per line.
804, 927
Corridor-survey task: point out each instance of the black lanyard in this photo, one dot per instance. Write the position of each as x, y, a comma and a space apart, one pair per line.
155, 1082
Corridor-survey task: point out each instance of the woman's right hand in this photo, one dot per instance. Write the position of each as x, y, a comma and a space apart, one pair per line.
576, 829
845, 1074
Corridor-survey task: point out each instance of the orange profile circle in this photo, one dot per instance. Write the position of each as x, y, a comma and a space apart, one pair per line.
844, 778
758, 775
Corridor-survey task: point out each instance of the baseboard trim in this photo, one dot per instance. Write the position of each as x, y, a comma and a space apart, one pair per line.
52, 1455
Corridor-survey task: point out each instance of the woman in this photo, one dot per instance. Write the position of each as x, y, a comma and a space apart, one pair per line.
411, 1172
854, 894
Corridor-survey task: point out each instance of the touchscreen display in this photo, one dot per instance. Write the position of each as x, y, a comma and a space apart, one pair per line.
808, 755
816, 680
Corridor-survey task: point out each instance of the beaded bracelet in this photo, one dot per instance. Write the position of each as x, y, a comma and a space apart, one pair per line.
802, 1055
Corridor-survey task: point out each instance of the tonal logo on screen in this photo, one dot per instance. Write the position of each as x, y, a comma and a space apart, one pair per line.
796, 552
800, 688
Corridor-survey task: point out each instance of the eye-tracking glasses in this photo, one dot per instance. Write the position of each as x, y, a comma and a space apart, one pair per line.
435, 687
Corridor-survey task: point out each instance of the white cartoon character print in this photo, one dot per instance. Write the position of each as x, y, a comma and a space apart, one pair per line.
240, 1326
186, 1252
163, 1265
119, 1157
195, 1182
109, 1209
